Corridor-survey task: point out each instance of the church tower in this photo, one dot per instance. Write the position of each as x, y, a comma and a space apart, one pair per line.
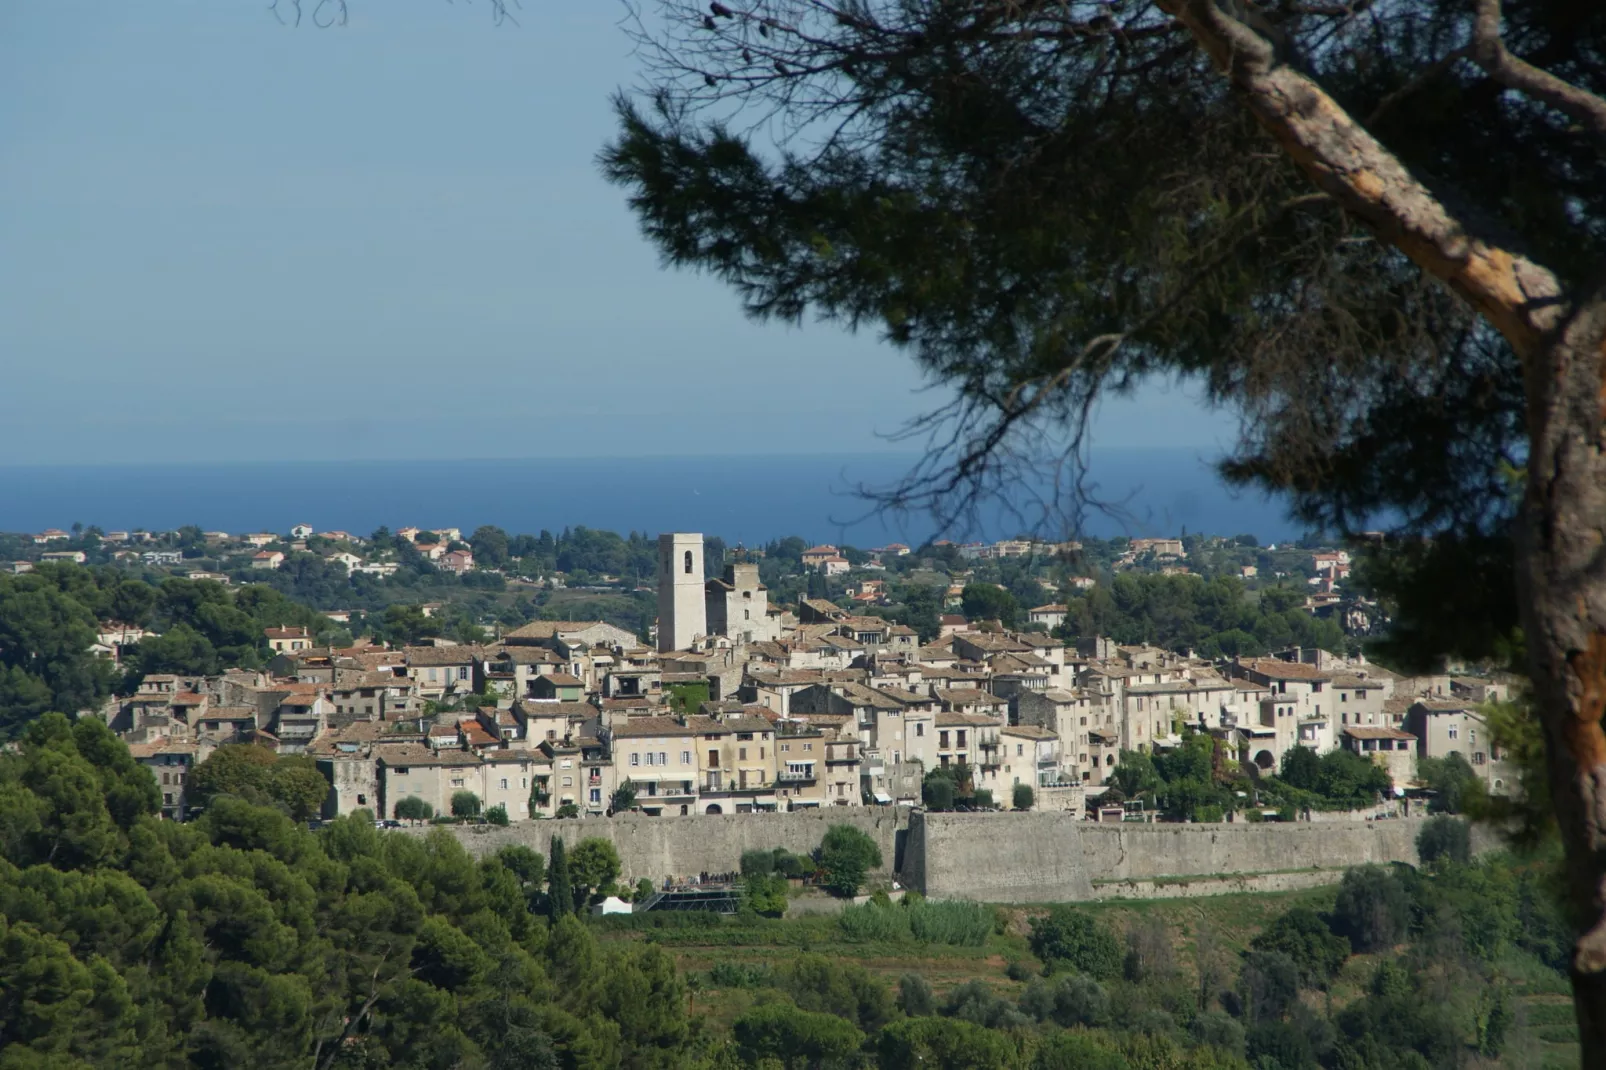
682, 616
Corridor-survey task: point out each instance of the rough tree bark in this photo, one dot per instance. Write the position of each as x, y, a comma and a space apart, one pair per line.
1561, 340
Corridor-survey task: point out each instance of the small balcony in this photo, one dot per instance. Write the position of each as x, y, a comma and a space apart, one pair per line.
796, 775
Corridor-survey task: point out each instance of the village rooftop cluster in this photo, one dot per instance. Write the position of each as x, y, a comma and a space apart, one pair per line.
741, 706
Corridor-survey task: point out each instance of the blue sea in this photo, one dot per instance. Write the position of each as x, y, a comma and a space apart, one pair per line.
749, 499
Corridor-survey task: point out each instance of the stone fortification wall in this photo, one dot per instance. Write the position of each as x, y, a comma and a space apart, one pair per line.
658, 847
1053, 857
1040, 857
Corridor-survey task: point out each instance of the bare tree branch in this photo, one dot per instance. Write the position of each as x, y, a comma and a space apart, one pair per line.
1522, 298
1489, 51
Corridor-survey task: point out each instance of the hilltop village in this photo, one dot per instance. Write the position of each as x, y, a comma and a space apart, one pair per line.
733, 703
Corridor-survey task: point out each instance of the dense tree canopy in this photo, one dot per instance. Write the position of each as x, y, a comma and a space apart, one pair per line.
242, 940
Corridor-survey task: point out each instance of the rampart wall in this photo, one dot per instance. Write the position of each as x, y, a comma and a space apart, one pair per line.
1045, 857
658, 847
1053, 857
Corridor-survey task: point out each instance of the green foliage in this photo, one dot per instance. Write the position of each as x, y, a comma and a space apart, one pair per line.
951, 922
795, 1038
1372, 909
914, 996
986, 601
560, 884
845, 989
465, 804
1022, 797
1300, 768
1067, 938
593, 865
1268, 986
567, 810
1314, 949
1452, 780
1067, 1000
943, 1044
846, 856
1444, 838
1078, 1051
937, 792
757, 863
767, 895
497, 815
244, 940
624, 797
412, 808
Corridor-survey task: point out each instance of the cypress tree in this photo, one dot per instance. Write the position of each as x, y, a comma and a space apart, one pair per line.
560, 892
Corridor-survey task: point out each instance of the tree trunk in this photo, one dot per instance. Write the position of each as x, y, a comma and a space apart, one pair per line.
1561, 570
1561, 555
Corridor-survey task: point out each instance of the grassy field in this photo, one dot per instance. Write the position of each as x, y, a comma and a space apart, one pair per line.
1218, 927
1226, 922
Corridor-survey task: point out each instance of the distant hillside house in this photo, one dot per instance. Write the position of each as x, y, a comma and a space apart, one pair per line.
1052, 615
267, 559
75, 556
815, 556
261, 538
288, 640
51, 535
301, 531
458, 561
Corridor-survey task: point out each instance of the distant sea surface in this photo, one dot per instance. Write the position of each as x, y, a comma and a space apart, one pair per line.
750, 499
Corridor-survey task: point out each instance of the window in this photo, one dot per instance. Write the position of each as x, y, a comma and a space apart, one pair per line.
920, 730
747, 614
688, 562
596, 795
685, 757
785, 747
635, 759
1019, 750
462, 672
362, 800
400, 770
167, 797
504, 783
651, 758
808, 746
663, 759
1455, 733
568, 781
741, 754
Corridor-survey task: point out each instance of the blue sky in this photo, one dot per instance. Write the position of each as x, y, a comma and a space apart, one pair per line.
227, 239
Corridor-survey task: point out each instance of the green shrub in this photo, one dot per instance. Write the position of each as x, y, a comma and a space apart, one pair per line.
1444, 838
875, 924
847, 856
791, 1036
497, 815
914, 995
1066, 938
1304, 937
957, 924
412, 808
1023, 797
758, 863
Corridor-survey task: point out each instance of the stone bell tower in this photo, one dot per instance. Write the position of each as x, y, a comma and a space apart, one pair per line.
682, 616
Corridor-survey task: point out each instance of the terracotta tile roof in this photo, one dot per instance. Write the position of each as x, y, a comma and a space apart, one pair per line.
1277, 669
1369, 732
550, 629
640, 727
443, 655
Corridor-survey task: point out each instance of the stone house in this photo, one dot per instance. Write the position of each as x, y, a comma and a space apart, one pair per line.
658, 755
